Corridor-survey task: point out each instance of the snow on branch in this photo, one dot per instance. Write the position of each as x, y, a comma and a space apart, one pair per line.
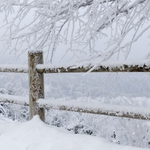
80, 24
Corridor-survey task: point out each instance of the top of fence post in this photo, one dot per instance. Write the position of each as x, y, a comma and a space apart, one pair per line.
36, 83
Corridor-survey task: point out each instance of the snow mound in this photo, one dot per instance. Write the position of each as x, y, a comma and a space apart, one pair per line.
36, 135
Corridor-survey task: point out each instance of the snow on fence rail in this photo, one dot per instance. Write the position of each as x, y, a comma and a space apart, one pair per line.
97, 108
14, 68
37, 103
130, 66
14, 99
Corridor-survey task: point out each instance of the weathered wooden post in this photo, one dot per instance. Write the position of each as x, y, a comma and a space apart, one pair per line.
36, 83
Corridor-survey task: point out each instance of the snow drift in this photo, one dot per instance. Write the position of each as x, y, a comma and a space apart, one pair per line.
36, 135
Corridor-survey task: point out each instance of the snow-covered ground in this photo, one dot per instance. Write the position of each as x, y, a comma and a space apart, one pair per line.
106, 89
36, 135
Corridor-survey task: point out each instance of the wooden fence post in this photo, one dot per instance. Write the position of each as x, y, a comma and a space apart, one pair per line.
36, 83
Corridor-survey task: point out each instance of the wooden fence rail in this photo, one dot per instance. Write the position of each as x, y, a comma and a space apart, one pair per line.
36, 69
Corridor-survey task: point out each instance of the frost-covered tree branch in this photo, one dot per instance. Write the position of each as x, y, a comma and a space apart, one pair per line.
42, 24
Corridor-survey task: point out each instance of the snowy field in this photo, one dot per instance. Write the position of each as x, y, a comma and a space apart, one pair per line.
36, 135
125, 90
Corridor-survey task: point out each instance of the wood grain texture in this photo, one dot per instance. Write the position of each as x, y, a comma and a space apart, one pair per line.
36, 84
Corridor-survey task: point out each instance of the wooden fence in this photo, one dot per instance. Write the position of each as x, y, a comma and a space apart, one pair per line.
37, 103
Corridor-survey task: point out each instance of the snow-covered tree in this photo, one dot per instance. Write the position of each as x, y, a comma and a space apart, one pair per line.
44, 24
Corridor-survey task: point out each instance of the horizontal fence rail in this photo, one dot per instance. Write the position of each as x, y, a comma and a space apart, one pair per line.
37, 103
97, 108
130, 66
14, 99
133, 112
14, 68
